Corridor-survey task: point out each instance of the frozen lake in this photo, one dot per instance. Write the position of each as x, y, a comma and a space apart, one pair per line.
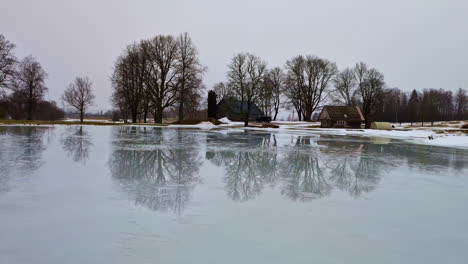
163, 195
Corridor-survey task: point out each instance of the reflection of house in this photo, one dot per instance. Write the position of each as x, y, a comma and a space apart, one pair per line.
231, 108
341, 116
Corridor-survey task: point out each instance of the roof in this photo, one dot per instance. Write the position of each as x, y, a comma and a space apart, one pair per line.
347, 113
235, 106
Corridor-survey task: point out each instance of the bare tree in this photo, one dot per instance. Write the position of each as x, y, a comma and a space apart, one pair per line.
29, 82
277, 77
7, 61
246, 74
265, 96
189, 71
345, 87
161, 74
79, 95
370, 83
128, 78
461, 103
310, 76
293, 95
222, 91
120, 104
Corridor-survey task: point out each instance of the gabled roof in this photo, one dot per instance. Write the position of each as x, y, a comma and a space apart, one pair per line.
347, 113
235, 106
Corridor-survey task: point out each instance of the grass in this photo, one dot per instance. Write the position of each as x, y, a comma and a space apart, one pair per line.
451, 131
61, 122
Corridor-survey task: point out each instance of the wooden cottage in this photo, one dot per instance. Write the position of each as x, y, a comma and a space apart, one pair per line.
341, 117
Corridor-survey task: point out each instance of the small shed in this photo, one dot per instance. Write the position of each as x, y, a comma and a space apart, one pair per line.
381, 125
341, 117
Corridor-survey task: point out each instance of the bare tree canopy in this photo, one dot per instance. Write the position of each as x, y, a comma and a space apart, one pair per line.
189, 72
345, 87
461, 103
277, 78
79, 95
222, 91
29, 82
160, 73
246, 75
128, 78
7, 61
308, 78
162, 53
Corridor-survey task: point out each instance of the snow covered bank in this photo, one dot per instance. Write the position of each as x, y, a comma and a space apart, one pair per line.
417, 136
201, 125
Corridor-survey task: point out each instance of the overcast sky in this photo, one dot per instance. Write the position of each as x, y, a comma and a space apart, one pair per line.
416, 44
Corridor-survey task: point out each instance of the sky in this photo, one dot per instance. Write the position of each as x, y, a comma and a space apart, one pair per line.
416, 44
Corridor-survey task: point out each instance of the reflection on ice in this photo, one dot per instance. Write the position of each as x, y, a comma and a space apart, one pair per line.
77, 143
304, 170
162, 173
250, 162
308, 168
21, 151
149, 194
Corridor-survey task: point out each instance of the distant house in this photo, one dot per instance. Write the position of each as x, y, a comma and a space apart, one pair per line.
231, 108
341, 117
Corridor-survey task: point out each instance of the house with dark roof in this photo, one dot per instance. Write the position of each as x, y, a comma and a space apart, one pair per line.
341, 117
233, 109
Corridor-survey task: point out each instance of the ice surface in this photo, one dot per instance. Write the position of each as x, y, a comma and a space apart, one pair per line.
92, 194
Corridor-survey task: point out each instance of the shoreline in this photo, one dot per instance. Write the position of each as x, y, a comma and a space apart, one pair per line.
442, 136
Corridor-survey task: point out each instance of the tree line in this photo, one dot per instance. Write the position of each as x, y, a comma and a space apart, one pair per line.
23, 87
304, 84
164, 73
427, 105
307, 83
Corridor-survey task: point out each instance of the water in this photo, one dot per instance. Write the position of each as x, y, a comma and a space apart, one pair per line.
159, 195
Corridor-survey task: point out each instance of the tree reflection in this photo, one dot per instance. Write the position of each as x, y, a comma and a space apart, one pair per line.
249, 166
306, 168
304, 176
356, 175
21, 151
77, 142
158, 168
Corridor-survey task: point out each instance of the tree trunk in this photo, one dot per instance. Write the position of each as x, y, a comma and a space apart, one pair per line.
181, 109
81, 116
30, 111
299, 115
247, 115
307, 115
158, 117
145, 115
134, 116
367, 123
